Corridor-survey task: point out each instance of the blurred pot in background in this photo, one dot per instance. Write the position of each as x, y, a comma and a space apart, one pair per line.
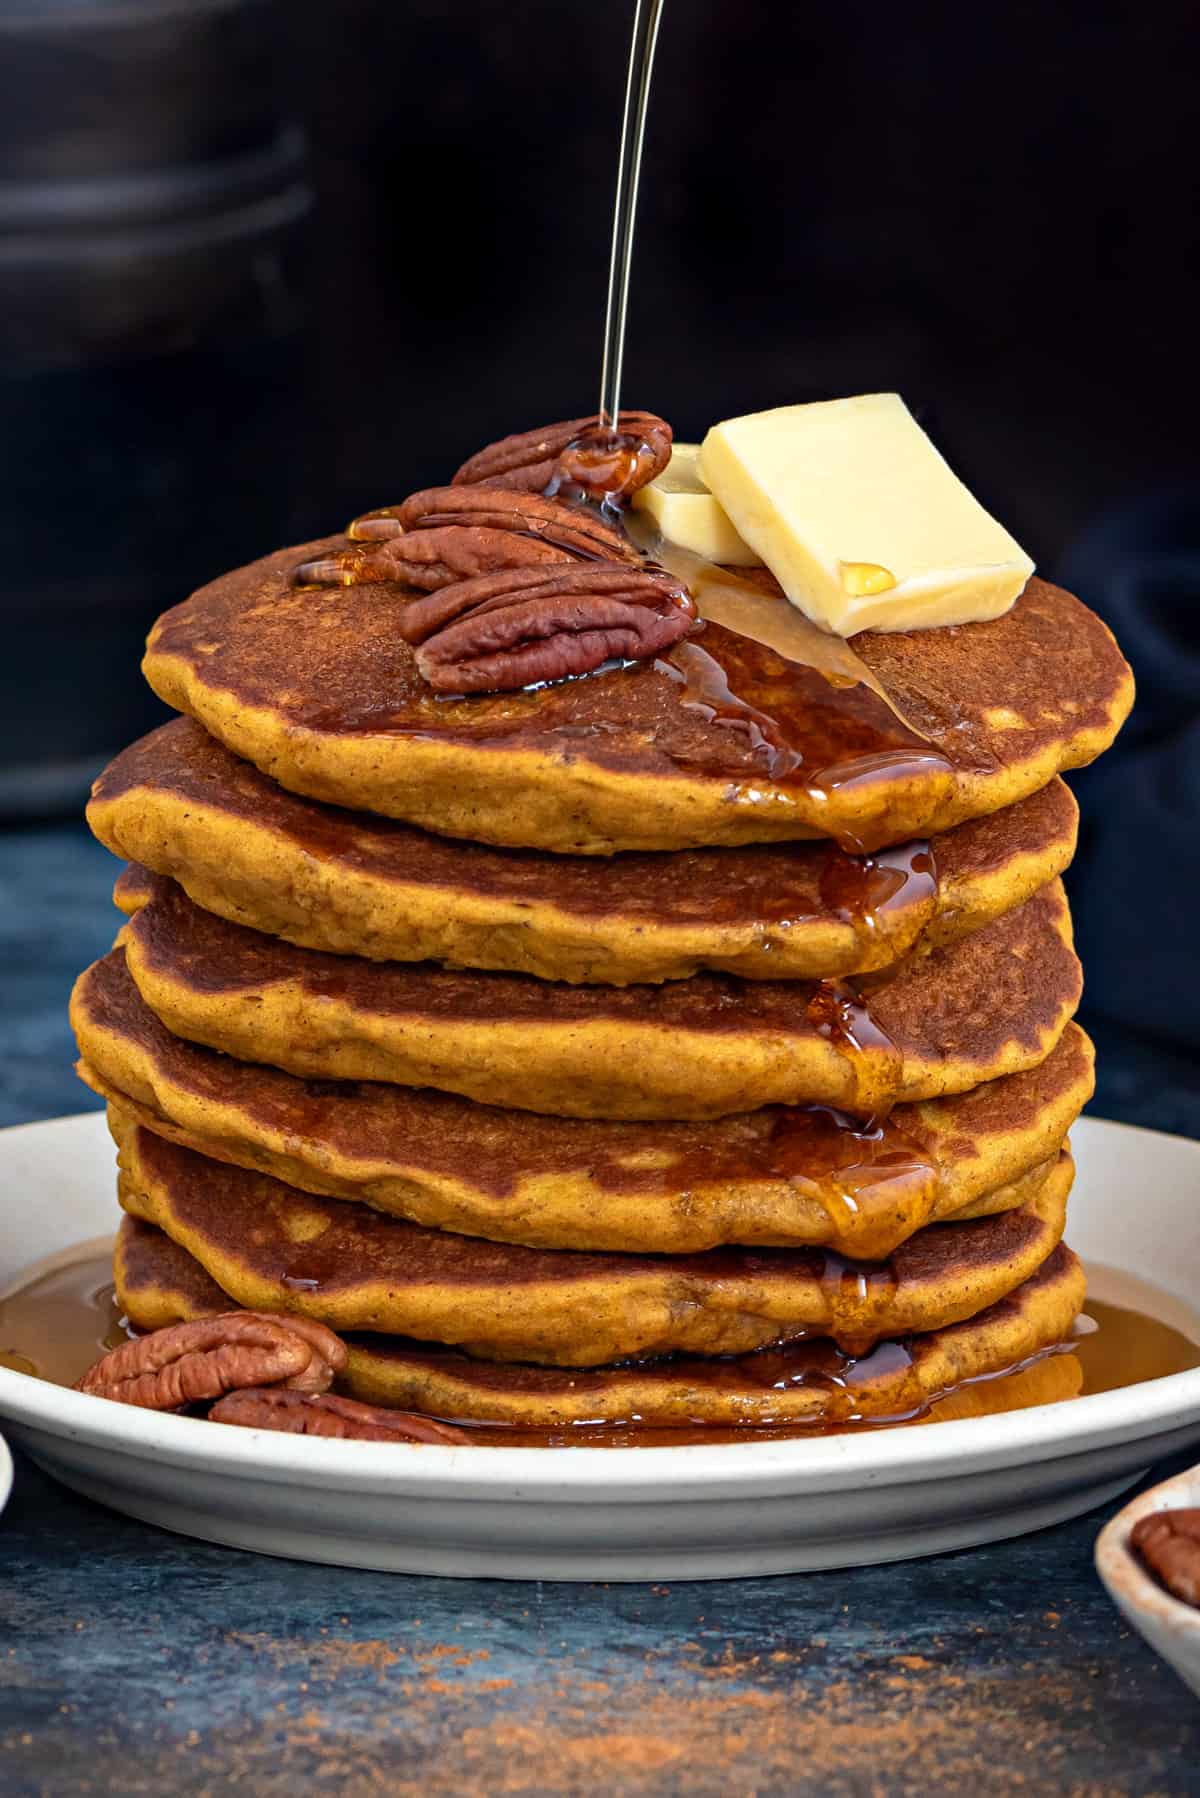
152, 350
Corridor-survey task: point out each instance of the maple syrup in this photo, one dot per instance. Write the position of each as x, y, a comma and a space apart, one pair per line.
371, 527
60, 1320
863, 889
839, 1012
604, 467
804, 725
873, 1182
642, 43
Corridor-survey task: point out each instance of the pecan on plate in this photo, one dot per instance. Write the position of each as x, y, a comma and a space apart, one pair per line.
517, 629
537, 460
188, 1363
325, 1414
1169, 1544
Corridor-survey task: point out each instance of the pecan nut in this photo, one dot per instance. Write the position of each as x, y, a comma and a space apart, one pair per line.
514, 629
447, 534
1169, 1543
534, 460
193, 1362
326, 1414
431, 559
583, 533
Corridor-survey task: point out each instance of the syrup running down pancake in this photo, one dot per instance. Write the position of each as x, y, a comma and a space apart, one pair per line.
991, 1004
784, 1177
274, 1248
355, 884
806, 1384
720, 741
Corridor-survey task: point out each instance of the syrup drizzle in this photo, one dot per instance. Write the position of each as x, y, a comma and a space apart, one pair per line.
602, 468
840, 1013
863, 889
872, 1180
643, 41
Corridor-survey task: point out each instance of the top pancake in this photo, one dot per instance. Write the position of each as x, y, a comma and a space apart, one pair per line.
316, 687
353, 884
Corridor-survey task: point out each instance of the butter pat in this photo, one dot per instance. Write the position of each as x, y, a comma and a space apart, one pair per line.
686, 512
858, 517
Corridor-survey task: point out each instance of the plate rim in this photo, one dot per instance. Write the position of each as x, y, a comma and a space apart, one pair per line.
964, 1447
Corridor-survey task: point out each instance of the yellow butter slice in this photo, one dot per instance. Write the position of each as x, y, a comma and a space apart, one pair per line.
862, 522
686, 512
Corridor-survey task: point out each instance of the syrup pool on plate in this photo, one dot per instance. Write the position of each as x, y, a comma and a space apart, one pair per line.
62, 1316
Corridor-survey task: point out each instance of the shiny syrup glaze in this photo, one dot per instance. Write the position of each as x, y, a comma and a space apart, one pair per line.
801, 727
796, 702
59, 1323
604, 468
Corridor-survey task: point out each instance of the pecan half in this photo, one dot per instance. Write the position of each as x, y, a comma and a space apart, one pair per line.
188, 1363
568, 527
447, 534
534, 460
325, 1414
1169, 1543
431, 559
513, 630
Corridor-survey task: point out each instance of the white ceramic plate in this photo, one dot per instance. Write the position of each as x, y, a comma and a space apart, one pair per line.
624, 1514
1171, 1627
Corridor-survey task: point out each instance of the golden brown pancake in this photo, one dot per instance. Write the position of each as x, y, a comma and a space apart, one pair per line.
355, 884
991, 1004
808, 1382
318, 689
778, 1177
275, 1248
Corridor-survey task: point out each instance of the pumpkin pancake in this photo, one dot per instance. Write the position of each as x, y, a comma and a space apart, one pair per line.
991, 1004
781, 1177
275, 1248
802, 1383
720, 741
354, 884
805, 1383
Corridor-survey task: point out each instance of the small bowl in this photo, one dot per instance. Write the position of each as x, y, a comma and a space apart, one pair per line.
1171, 1627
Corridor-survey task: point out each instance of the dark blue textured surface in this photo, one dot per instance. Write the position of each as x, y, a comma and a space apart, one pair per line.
132, 1661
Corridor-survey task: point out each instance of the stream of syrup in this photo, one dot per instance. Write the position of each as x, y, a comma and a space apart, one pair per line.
58, 1321
643, 41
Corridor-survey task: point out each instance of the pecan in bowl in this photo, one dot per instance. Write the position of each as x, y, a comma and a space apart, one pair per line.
1168, 1543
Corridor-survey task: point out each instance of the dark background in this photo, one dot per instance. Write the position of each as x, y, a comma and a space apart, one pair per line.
265, 265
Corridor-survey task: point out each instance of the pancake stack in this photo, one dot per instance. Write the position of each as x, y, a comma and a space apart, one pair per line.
686, 1046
